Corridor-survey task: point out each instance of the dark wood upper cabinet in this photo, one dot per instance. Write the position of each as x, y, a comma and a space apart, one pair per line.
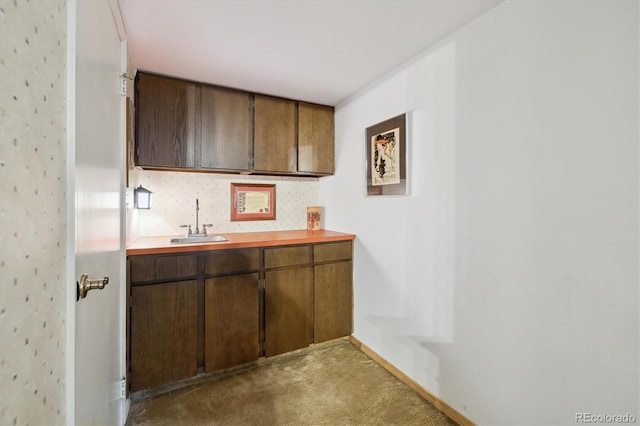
182, 125
225, 123
316, 147
165, 122
274, 142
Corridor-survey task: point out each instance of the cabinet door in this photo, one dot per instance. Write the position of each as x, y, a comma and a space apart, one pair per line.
333, 301
274, 135
316, 149
232, 322
164, 325
165, 127
225, 129
288, 310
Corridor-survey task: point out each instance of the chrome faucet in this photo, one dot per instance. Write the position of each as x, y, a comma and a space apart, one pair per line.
197, 210
197, 232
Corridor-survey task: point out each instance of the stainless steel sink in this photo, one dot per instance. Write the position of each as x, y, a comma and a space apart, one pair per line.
203, 239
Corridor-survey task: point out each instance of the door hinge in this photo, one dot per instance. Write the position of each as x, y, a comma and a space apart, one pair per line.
120, 389
123, 83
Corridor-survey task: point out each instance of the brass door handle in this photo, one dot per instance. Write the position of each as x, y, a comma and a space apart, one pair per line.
85, 284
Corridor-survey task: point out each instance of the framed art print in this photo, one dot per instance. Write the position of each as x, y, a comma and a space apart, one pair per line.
387, 157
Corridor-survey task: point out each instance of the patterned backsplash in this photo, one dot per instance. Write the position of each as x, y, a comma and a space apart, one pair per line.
174, 202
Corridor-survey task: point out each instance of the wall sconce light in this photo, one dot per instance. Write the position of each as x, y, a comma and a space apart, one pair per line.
142, 198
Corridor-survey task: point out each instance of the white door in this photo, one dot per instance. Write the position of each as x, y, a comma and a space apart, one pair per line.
98, 187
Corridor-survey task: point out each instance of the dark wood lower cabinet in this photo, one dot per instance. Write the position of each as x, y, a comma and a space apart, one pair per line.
232, 321
288, 310
208, 311
164, 339
333, 301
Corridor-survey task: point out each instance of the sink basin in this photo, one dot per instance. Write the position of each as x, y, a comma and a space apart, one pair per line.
190, 240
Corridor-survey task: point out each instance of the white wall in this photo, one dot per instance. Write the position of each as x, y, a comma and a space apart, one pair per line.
506, 283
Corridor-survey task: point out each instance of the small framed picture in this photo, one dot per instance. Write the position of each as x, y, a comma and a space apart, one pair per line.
387, 157
253, 201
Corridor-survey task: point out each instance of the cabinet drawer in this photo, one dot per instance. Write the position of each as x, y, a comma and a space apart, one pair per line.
332, 251
287, 256
227, 262
153, 268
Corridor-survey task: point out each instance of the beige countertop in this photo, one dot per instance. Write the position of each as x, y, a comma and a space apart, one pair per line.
160, 244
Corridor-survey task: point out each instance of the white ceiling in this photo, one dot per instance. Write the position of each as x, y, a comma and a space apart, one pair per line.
318, 51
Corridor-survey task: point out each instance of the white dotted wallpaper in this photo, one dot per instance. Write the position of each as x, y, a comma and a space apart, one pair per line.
174, 202
32, 211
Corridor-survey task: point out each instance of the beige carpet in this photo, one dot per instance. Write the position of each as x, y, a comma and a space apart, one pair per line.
328, 385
